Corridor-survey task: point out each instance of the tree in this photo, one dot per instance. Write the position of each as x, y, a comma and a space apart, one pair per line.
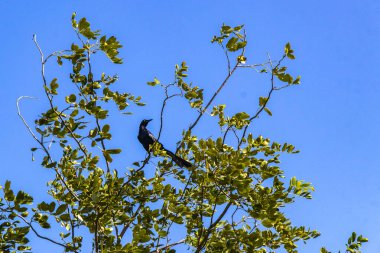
230, 200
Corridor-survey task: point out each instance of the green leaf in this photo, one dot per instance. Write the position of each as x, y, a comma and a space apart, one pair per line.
154, 83
51, 165
60, 209
53, 87
106, 128
241, 59
51, 207
74, 113
23, 198
107, 156
110, 47
238, 28
323, 250
43, 206
59, 60
263, 101
267, 223
231, 44
73, 21
7, 185
101, 114
297, 81
71, 99
241, 45
287, 48
65, 217
85, 30
63, 235
289, 51
242, 115
226, 29
266, 109
114, 151
162, 233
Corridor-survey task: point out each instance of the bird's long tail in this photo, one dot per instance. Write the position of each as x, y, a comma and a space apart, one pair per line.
178, 160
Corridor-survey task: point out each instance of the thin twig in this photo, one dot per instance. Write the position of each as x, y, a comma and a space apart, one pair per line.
162, 109
228, 58
168, 246
180, 199
50, 98
116, 231
96, 239
56, 54
266, 101
213, 97
126, 226
230, 73
211, 227
96, 119
38, 235
103, 146
43, 147
72, 227
254, 65
22, 118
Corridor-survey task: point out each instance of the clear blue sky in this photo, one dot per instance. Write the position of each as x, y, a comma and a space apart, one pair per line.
332, 117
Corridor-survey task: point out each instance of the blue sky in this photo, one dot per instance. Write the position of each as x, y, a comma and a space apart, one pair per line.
332, 117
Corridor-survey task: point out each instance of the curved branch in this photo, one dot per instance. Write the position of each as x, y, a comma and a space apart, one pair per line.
22, 117
43, 147
38, 235
273, 88
162, 111
50, 98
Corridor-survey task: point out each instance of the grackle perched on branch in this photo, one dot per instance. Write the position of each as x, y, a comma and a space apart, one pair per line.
146, 138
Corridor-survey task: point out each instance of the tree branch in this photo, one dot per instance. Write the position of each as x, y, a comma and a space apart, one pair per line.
126, 226
44, 148
213, 97
211, 227
59, 114
168, 246
38, 235
266, 101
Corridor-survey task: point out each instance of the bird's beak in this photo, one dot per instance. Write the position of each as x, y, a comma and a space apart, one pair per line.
149, 120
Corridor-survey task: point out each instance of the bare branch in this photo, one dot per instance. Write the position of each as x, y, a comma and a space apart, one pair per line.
167, 97
22, 117
56, 54
228, 58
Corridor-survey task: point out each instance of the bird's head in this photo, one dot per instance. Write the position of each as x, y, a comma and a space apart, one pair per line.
145, 122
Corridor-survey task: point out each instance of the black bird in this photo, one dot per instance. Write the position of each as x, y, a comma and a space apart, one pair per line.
146, 138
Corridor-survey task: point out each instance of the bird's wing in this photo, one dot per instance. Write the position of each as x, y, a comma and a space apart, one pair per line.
151, 136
